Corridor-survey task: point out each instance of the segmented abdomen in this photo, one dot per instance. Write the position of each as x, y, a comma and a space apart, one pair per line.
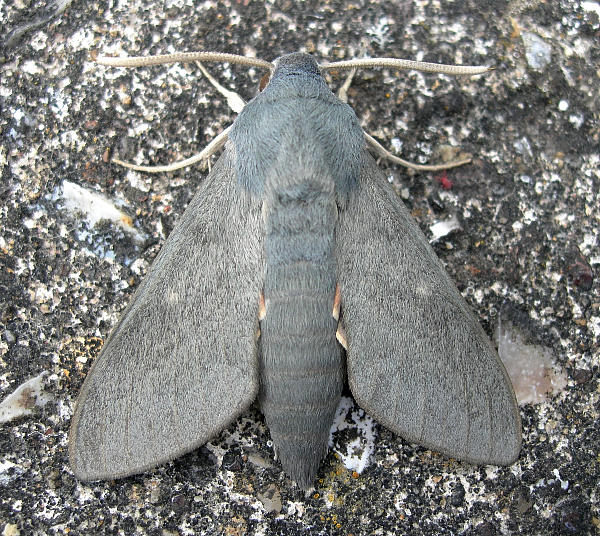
300, 362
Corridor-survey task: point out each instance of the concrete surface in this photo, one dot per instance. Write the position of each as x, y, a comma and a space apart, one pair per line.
527, 247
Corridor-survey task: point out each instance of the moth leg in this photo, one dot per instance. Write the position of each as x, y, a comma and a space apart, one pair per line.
384, 153
343, 91
340, 334
208, 151
234, 101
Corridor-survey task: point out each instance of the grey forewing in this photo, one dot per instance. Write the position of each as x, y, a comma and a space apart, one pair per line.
181, 364
418, 361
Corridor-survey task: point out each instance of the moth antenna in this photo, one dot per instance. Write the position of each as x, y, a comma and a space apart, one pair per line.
234, 101
183, 57
403, 64
384, 153
208, 151
407, 64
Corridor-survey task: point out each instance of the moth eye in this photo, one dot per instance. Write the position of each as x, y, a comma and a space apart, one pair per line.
264, 81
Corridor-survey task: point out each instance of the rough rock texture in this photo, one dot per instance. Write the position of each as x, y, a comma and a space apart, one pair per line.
528, 243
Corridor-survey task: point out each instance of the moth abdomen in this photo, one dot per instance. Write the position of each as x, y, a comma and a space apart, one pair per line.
301, 377
301, 368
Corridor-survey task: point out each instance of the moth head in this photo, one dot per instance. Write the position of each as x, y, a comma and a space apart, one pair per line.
296, 64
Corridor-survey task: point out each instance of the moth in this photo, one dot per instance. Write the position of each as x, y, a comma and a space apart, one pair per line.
294, 267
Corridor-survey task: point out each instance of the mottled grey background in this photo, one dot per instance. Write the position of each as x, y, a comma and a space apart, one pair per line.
527, 247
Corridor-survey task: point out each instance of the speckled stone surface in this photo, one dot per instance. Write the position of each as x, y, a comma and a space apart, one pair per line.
528, 244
